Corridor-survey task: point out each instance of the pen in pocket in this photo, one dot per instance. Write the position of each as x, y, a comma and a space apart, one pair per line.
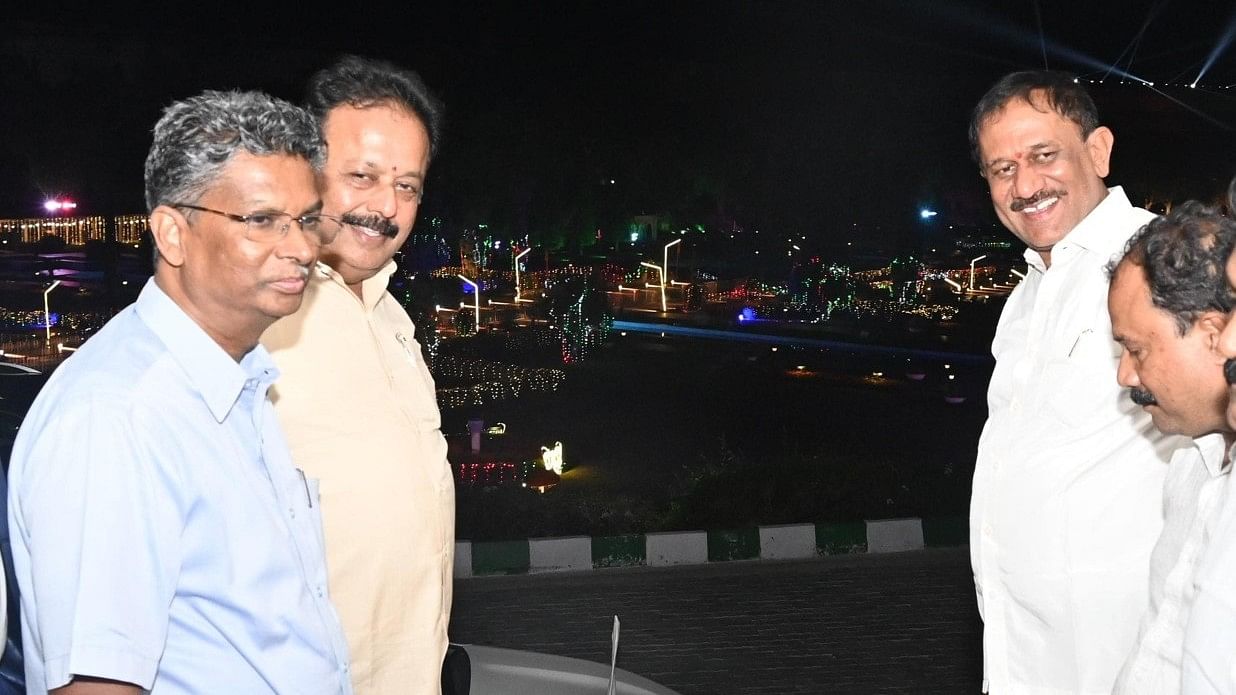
1078, 340
305, 481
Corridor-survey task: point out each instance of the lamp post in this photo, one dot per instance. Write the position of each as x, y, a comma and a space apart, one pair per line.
972, 262
47, 311
517, 257
660, 270
476, 301
665, 261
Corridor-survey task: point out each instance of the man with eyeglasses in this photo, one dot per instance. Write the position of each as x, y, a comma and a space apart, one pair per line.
163, 540
356, 398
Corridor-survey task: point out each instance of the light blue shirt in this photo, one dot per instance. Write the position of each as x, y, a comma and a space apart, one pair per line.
161, 535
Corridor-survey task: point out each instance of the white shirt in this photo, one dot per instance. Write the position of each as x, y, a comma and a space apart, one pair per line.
1209, 660
1067, 499
1192, 499
161, 535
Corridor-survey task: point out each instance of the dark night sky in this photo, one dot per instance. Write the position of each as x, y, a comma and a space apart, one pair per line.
796, 116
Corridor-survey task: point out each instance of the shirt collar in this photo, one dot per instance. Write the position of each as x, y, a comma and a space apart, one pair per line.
1213, 448
213, 372
372, 288
1094, 232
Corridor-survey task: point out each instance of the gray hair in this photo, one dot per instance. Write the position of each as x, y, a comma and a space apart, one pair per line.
196, 137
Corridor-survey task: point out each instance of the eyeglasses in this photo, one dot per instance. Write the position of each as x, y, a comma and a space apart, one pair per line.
268, 227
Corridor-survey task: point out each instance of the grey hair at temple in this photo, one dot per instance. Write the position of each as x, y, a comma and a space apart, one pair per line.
196, 137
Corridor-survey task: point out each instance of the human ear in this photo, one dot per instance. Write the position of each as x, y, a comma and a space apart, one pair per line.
168, 225
1099, 147
1211, 324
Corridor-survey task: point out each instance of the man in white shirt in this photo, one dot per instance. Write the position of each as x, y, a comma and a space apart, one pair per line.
1068, 482
1209, 665
1169, 303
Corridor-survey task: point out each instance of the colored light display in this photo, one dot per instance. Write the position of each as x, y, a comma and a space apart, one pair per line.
490, 382
551, 458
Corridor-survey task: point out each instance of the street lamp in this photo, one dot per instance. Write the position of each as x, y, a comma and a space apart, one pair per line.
519, 256
660, 270
47, 312
476, 301
665, 261
972, 262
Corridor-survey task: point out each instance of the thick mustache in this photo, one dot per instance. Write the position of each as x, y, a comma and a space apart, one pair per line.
1020, 204
1142, 397
1229, 372
381, 225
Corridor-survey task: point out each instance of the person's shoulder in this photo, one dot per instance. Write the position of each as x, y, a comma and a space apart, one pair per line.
285, 332
321, 311
1141, 216
122, 349
391, 309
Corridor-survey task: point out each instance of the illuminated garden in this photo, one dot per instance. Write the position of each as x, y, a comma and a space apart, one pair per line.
642, 386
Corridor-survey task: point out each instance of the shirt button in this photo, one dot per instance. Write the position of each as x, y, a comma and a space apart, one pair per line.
1015, 408
321, 592
292, 512
987, 530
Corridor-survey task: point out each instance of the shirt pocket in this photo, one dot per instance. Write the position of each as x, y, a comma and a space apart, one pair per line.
1080, 385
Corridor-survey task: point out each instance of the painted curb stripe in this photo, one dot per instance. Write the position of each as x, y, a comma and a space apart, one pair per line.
841, 538
735, 544
837, 538
619, 551
500, 557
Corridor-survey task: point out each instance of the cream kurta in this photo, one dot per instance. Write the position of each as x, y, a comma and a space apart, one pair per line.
357, 403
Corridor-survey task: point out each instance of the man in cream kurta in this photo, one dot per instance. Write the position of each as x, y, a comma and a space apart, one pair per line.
356, 399
358, 406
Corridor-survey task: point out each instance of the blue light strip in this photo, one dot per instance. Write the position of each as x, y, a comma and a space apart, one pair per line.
742, 336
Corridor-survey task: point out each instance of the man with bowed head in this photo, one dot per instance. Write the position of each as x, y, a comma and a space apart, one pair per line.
1066, 503
356, 397
1170, 303
1210, 639
162, 538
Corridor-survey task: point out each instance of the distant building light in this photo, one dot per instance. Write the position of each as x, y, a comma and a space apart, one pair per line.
54, 205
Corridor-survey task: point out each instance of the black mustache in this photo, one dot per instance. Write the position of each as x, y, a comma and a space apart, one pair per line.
380, 225
1142, 397
1020, 204
1229, 372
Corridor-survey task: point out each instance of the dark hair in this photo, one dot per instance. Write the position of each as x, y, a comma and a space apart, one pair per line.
1184, 255
364, 82
1060, 91
196, 137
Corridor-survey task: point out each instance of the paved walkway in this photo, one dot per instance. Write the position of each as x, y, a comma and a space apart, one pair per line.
899, 623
